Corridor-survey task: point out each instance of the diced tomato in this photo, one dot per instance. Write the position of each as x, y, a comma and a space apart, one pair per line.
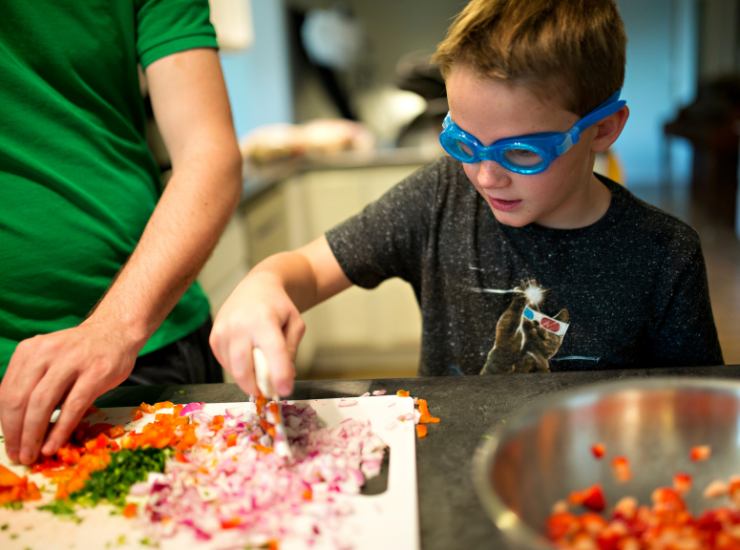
561, 524
668, 506
733, 490
598, 450
700, 452
593, 523
560, 506
591, 498
716, 488
621, 469
682, 482
666, 525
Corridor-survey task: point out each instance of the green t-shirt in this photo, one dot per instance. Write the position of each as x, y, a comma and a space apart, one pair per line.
77, 180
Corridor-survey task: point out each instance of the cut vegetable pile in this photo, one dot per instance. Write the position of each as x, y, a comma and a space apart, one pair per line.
182, 469
665, 524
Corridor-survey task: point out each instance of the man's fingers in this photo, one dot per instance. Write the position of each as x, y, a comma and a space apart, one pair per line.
78, 401
17, 385
11, 416
47, 393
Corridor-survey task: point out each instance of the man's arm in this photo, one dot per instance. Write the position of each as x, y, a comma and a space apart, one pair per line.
79, 364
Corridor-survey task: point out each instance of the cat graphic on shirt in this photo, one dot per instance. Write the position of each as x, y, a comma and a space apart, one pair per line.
521, 344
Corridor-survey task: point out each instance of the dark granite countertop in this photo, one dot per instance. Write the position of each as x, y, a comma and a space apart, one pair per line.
450, 513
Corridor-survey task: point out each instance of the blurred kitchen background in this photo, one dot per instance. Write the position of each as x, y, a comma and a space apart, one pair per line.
334, 102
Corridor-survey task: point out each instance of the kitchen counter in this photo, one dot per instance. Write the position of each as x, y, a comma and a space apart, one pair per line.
450, 515
257, 180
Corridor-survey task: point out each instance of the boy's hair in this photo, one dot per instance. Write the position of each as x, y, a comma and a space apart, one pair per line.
573, 48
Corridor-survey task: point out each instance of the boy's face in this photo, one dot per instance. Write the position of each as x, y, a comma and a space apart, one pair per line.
566, 195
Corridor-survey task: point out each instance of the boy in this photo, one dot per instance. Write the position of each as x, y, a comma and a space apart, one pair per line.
520, 257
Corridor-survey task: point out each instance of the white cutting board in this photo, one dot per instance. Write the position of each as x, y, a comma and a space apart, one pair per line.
386, 520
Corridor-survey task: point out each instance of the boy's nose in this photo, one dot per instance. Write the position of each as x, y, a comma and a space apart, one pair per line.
492, 175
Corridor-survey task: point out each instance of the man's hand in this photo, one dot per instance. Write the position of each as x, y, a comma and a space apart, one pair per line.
70, 367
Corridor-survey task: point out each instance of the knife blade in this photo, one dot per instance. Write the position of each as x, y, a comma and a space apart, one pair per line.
273, 410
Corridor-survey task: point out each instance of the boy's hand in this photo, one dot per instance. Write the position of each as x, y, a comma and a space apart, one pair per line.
259, 313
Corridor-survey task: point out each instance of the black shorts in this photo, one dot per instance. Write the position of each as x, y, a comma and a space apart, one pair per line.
189, 360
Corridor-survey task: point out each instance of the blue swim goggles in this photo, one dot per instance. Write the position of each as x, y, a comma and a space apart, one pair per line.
530, 154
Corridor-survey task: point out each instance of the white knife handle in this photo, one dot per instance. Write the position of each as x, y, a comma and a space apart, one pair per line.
262, 373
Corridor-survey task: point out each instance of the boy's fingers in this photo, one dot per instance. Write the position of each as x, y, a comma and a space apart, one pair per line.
279, 362
240, 365
282, 371
294, 330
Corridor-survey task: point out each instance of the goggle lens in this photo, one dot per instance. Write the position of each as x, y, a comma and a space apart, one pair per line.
459, 150
523, 158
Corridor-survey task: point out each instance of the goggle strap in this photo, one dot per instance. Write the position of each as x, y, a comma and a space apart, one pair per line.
609, 107
571, 138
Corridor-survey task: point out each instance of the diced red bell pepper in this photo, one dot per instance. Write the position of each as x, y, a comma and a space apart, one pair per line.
621, 469
682, 482
700, 452
591, 498
598, 450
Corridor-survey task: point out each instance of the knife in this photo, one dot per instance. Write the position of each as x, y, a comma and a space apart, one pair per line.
275, 416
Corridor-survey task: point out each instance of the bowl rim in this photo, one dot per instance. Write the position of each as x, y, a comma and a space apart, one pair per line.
507, 521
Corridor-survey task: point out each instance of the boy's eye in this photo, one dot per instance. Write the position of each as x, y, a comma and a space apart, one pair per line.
523, 157
465, 148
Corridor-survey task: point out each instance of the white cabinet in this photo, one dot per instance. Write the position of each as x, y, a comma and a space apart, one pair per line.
227, 264
358, 326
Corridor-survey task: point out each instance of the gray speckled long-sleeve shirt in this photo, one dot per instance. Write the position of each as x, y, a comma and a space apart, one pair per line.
628, 291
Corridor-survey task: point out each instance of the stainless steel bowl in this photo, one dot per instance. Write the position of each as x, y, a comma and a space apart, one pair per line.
542, 452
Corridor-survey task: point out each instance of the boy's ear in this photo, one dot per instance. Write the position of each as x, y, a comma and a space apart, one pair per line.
608, 130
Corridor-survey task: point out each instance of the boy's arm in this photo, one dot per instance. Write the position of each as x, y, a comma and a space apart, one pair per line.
264, 311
